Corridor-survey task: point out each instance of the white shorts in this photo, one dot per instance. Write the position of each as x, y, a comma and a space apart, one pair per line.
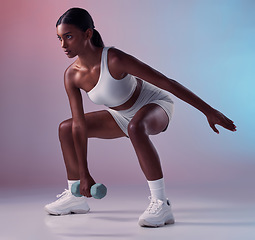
149, 94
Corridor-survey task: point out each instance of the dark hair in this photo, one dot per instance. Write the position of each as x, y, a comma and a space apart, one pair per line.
82, 20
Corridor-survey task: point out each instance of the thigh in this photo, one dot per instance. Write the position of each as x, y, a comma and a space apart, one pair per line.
152, 117
101, 124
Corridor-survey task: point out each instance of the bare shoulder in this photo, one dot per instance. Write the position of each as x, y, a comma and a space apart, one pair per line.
117, 60
70, 73
116, 55
121, 62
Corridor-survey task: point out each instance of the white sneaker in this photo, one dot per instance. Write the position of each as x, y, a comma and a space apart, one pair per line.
67, 203
157, 214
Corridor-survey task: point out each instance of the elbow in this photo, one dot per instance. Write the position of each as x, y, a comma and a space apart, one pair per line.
172, 82
172, 85
78, 128
167, 84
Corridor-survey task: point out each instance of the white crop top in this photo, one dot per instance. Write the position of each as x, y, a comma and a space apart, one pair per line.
108, 90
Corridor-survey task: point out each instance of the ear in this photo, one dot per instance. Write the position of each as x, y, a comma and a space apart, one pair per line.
88, 33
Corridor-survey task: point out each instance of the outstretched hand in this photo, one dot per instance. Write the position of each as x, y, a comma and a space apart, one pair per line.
216, 117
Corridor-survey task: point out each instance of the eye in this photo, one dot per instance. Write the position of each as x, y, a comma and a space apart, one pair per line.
68, 36
59, 38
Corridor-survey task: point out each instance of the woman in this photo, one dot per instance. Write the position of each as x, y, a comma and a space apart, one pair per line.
137, 108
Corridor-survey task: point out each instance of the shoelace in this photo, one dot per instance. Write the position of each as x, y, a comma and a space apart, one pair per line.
66, 192
154, 205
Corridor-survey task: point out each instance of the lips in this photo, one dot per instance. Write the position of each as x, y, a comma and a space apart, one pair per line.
67, 51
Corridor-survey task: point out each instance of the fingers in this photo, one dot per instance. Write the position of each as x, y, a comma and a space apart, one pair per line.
231, 127
85, 192
220, 119
228, 124
85, 186
214, 128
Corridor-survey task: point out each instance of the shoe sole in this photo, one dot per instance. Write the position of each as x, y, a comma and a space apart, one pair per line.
144, 223
70, 211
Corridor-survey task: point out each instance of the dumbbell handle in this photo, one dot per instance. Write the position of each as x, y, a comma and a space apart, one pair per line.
97, 191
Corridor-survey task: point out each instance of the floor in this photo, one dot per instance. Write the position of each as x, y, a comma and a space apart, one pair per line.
224, 215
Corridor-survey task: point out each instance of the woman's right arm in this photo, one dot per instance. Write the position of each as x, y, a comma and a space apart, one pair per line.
79, 132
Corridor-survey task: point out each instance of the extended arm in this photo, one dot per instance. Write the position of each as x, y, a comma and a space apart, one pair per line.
79, 132
131, 65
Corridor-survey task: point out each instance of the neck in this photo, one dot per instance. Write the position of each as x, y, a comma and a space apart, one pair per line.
89, 58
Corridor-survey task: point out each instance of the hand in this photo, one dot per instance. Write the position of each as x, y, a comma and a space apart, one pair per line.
85, 185
216, 117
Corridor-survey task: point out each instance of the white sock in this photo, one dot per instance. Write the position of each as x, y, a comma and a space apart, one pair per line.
157, 189
70, 183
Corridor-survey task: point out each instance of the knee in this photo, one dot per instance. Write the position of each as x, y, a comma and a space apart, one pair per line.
136, 128
64, 129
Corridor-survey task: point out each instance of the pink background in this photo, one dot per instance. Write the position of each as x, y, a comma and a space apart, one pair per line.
206, 45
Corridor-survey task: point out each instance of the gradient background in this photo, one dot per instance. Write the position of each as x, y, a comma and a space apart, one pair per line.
207, 45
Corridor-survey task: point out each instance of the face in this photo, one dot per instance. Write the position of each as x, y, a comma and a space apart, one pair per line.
73, 40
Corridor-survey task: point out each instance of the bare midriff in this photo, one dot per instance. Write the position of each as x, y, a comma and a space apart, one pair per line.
130, 102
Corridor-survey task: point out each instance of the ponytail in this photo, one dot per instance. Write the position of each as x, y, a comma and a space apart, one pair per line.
96, 39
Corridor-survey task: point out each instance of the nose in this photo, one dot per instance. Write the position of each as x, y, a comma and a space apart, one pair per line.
63, 44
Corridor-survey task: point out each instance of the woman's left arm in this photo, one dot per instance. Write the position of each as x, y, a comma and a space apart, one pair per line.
129, 64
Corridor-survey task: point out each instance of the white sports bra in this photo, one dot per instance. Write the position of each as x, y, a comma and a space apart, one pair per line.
108, 90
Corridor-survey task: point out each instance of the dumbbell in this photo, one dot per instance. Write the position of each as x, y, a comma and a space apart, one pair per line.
97, 191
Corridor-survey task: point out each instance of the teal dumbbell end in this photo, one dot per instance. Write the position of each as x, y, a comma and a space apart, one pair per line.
97, 191
75, 189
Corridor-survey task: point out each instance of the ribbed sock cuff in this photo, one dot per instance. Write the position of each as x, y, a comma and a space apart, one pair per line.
157, 189
70, 183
